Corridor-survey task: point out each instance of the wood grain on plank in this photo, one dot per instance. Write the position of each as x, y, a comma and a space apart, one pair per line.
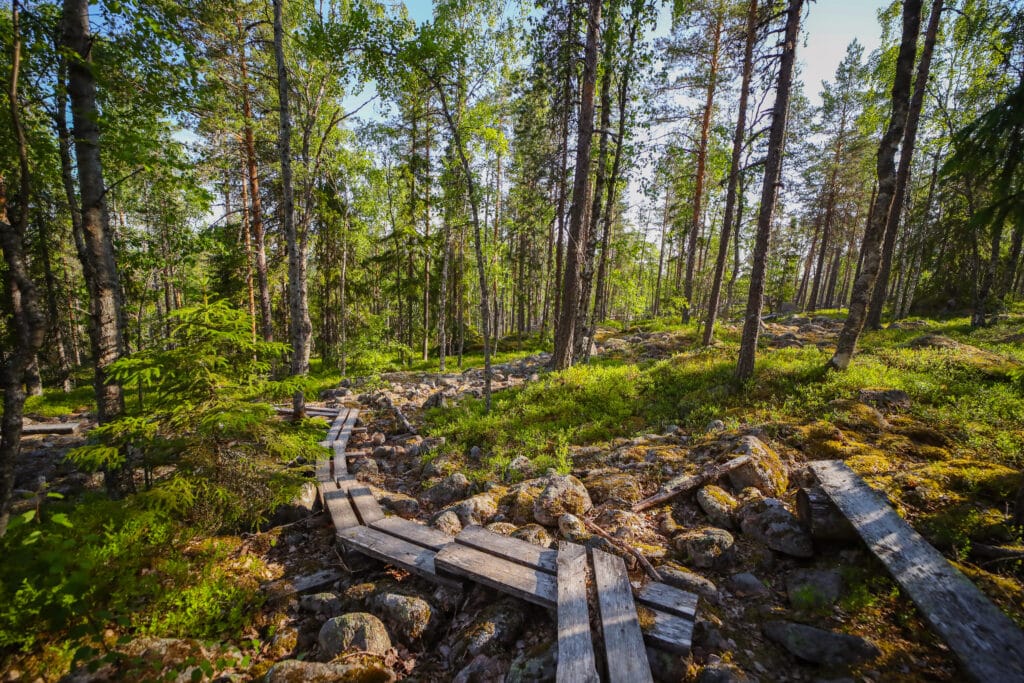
668, 599
337, 503
49, 428
332, 433
414, 532
987, 642
517, 580
666, 631
625, 654
365, 504
394, 551
514, 549
575, 645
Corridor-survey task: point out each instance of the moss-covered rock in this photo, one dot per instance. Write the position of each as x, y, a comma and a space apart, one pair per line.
356, 630
765, 471
705, 548
296, 671
718, 505
616, 486
497, 626
408, 615
562, 494
535, 534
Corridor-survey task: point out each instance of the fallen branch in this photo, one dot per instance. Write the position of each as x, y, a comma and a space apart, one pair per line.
675, 487
406, 425
651, 571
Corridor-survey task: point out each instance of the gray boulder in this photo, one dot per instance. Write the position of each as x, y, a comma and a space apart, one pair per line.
562, 494
408, 615
767, 520
448, 490
819, 646
706, 548
718, 505
356, 630
292, 670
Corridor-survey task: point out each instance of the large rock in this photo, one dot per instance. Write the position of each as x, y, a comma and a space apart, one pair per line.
497, 626
615, 486
678, 576
448, 522
721, 672
718, 505
535, 534
561, 495
765, 471
706, 548
572, 529
407, 614
356, 630
814, 588
399, 503
538, 663
324, 604
819, 646
296, 671
476, 510
448, 490
767, 520
521, 498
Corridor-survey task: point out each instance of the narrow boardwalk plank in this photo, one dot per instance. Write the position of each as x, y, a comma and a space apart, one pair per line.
347, 481
337, 503
666, 631
332, 433
394, 551
414, 532
575, 646
365, 504
340, 462
660, 596
623, 640
341, 443
988, 644
49, 428
323, 470
531, 585
513, 549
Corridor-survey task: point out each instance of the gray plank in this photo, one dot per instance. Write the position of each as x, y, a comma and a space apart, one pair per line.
522, 582
348, 481
987, 642
337, 503
575, 645
49, 428
365, 504
669, 599
336, 426
323, 470
394, 551
513, 549
414, 532
623, 640
345, 433
665, 631
339, 462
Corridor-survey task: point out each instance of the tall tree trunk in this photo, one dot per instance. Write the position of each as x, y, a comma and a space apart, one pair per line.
886, 172
563, 355
769, 193
426, 251
661, 254
892, 224
299, 326
730, 193
53, 312
702, 158
98, 262
247, 234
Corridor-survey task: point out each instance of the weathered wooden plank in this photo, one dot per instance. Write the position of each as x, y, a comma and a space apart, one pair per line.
414, 532
365, 504
575, 645
313, 411
391, 550
323, 470
347, 481
339, 461
337, 503
336, 426
665, 631
522, 582
49, 428
513, 549
660, 596
988, 644
345, 432
623, 641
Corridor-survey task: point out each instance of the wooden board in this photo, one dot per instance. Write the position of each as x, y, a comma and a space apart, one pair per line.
336, 426
513, 549
660, 596
323, 470
394, 551
49, 428
666, 631
365, 504
988, 644
337, 503
414, 532
623, 641
575, 645
345, 432
522, 582
339, 463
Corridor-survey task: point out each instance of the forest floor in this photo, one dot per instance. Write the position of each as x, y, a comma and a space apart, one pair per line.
930, 412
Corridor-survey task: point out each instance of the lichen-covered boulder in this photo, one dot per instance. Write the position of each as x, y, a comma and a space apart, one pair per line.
328, 604
678, 576
296, 671
706, 548
451, 488
765, 471
476, 510
498, 625
399, 503
572, 529
561, 495
616, 486
539, 663
769, 521
448, 522
503, 528
520, 499
718, 505
819, 646
813, 588
356, 630
407, 614
535, 534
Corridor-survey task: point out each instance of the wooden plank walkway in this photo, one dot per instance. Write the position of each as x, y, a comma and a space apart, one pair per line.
550, 578
989, 645
49, 428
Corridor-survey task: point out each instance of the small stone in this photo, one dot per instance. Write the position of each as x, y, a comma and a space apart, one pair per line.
408, 614
885, 399
399, 503
519, 467
475, 453
383, 452
448, 522
814, 588
746, 585
539, 663
572, 528
819, 646
767, 520
721, 672
535, 534
448, 490
321, 603
356, 630
562, 494
476, 510
706, 548
365, 466
503, 528
676, 575
715, 426
718, 505
378, 439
